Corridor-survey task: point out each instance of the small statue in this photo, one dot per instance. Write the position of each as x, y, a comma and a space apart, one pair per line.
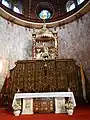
45, 54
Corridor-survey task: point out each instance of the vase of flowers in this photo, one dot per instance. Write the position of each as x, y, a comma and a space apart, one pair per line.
17, 107
17, 112
69, 107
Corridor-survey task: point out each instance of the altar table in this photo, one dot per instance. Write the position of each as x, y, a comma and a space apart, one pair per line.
28, 98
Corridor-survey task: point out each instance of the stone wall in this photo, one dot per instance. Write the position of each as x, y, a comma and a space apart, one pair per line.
74, 42
15, 44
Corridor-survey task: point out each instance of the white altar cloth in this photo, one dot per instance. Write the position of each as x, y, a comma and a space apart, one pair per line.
45, 94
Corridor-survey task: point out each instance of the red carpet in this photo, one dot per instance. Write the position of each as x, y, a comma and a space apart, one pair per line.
80, 113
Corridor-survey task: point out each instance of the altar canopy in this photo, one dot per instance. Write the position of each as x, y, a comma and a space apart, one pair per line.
45, 44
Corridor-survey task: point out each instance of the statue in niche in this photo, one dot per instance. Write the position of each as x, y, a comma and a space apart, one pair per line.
45, 53
41, 54
45, 43
38, 54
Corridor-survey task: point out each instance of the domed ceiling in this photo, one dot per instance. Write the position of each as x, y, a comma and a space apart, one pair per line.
37, 11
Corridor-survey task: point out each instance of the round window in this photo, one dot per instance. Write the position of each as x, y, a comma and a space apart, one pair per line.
44, 14
44, 10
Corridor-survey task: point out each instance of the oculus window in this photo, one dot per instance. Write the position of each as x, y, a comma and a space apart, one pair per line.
44, 14
44, 11
70, 5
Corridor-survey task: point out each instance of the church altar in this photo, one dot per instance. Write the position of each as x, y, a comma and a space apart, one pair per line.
43, 81
28, 101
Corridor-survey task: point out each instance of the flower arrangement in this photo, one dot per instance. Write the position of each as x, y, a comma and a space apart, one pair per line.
17, 105
69, 105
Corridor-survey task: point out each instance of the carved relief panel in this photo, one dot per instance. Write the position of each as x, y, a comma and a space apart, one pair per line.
29, 77
61, 76
39, 76
74, 81
51, 75
44, 105
17, 77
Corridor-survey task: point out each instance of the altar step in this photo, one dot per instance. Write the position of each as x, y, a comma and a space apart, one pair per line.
80, 113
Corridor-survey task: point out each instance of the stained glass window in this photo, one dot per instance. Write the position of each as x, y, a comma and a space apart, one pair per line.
45, 14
